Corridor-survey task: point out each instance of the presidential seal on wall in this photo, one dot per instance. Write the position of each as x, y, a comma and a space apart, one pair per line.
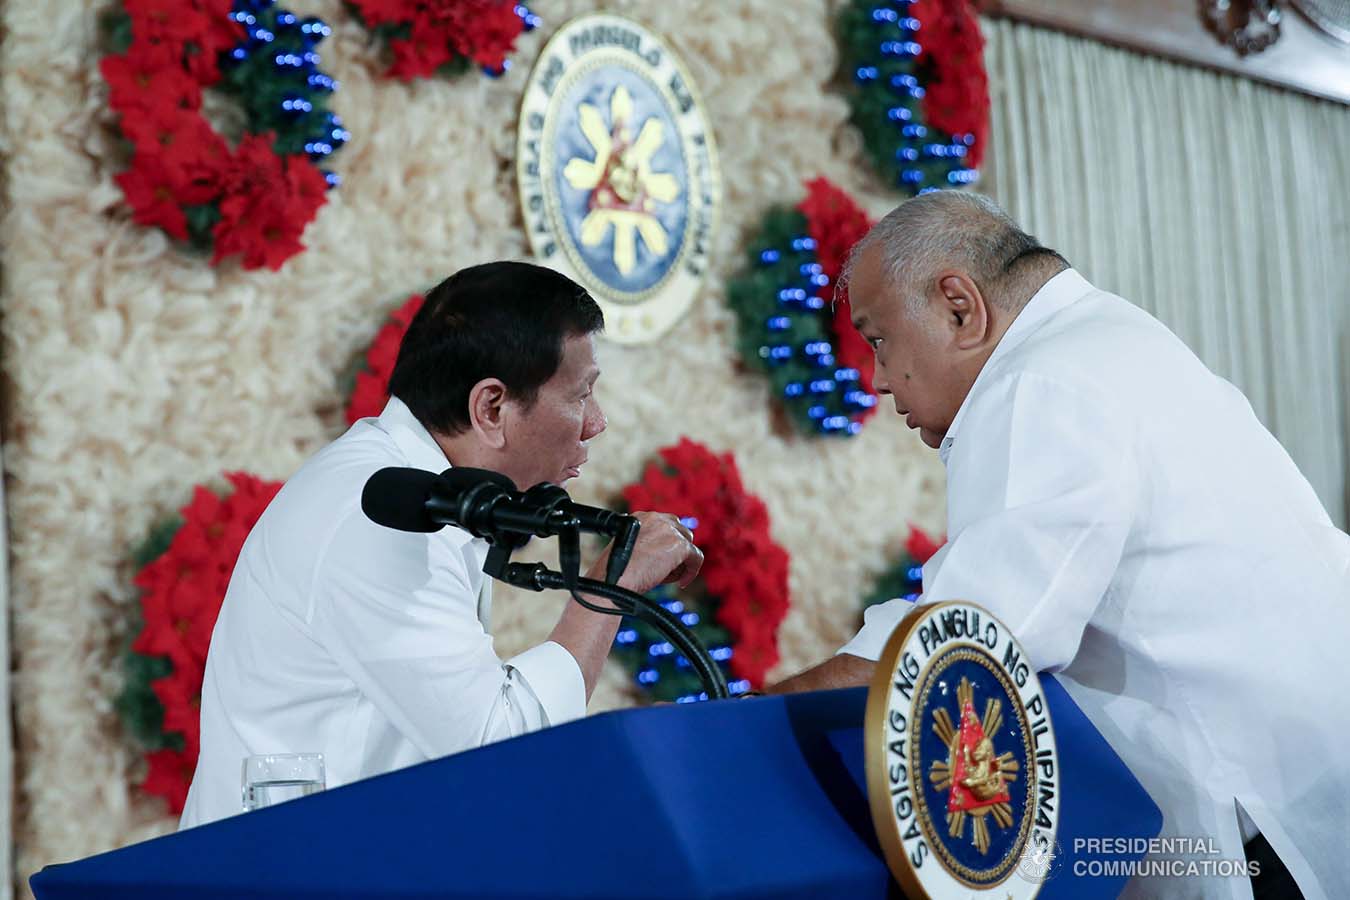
962, 772
617, 169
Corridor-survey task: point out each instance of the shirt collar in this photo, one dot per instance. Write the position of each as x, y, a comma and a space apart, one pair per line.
419, 448
1055, 295
421, 451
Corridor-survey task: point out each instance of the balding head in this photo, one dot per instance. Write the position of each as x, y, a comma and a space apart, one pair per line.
946, 230
933, 288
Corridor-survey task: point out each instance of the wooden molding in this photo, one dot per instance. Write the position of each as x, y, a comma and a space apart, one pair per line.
1303, 59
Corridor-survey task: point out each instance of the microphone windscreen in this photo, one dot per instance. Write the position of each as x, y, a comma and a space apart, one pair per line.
463, 478
397, 498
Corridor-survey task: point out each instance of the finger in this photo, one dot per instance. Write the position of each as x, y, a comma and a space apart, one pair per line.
689, 569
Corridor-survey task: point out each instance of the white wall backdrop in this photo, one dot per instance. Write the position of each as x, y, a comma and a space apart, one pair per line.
134, 371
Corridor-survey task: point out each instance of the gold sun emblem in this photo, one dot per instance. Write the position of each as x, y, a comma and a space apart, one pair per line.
624, 189
974, 777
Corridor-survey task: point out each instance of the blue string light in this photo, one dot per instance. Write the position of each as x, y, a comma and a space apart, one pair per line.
530, 19
287, 41
885, 67
834, 393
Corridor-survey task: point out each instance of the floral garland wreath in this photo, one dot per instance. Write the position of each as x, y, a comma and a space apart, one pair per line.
183, 571
369, 392
905, 578
744, 581
256, 199
446, 37
921, 98
818, 363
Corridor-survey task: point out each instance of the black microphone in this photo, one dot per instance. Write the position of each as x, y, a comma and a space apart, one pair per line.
399, 498
621, 527
487, 505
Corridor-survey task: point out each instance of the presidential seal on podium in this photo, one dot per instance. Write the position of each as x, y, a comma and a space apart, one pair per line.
617, 170
962, 771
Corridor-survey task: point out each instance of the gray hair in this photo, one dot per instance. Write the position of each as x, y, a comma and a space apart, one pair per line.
957, 229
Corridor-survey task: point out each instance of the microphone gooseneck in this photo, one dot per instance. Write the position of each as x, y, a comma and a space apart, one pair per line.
487, 505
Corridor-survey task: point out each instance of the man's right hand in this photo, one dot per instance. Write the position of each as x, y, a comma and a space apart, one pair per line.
664, 552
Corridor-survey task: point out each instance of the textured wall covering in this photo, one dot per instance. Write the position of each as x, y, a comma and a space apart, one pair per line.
134, 371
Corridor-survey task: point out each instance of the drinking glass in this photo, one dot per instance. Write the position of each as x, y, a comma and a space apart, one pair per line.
276, 777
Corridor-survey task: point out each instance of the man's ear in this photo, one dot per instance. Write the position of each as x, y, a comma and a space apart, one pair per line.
966, 309
487, 400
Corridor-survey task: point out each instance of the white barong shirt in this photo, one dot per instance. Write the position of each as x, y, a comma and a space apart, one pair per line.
1121, 508
365, 644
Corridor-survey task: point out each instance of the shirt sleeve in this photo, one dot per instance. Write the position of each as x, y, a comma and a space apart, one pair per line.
1043, 491
399, 613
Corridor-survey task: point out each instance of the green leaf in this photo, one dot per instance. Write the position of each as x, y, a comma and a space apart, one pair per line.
137, 706
201, 219
115, 29
157, 544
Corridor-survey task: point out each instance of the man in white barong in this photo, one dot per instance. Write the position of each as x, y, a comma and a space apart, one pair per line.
372, 646
1122, 509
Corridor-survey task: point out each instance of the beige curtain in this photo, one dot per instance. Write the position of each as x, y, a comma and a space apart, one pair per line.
1218, 204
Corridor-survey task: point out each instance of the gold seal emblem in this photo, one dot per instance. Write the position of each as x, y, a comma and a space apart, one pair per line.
617, 171
962, 767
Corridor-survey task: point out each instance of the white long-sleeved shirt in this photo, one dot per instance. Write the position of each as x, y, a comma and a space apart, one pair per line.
362, 643
1121, 509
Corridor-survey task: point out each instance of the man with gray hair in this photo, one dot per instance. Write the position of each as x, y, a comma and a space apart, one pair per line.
1120, 507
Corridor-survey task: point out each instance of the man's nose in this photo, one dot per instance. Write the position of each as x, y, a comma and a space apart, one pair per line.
595, 423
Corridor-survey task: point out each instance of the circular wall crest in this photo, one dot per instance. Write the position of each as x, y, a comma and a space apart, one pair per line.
617, 170
962, 770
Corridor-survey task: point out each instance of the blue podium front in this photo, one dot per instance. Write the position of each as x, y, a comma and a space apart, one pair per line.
738, 799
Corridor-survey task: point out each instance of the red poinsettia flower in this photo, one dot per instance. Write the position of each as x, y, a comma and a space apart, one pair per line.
181, 594
956, 89
836, 223
920, 545
152, 189
744, 570
266, 203
385, 12
148, 76
216, 33
370, 394
170, 776
170, 22
181, 152
420, 55
180, 693
483, 31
